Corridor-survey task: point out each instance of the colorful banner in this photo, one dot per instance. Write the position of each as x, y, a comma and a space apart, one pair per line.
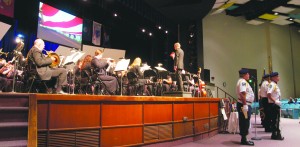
96, 39
7, 7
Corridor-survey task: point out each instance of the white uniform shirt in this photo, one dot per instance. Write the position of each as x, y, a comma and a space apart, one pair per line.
264, 88
274, 90
243, 86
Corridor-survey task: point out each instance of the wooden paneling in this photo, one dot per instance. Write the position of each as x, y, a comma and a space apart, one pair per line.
214, 123
183, 129
165, 131
151, 133
214, 109
42, 114
157, 113
201, 126
121, 136
121, 114
74, 115
201, 110
183, 110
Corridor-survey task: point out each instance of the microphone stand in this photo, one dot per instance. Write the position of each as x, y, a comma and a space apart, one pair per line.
255, 137
14, 78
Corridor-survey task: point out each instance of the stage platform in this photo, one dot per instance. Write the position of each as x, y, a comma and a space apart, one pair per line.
101, 120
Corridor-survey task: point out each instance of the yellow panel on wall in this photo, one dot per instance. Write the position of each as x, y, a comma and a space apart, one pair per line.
268, 16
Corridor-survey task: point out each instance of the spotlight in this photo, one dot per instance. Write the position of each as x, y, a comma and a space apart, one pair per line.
150, 34
115, 15
191, 35
159, 27
166, 31
19, 38
143, 30
276, 13
291, 19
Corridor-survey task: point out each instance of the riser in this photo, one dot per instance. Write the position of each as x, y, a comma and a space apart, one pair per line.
8, 134
13, 116
13, 102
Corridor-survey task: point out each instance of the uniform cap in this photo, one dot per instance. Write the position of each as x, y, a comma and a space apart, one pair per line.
243, 71
266, 76
273, 74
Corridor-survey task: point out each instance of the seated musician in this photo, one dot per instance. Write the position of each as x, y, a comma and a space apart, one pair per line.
100, 66
135, 67
41, 63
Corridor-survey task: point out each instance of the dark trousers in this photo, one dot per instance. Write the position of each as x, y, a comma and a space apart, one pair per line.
275, 118
179, 78
61, 73
265, 115
243, 122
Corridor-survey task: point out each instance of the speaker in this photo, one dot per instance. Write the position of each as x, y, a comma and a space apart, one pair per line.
206, 76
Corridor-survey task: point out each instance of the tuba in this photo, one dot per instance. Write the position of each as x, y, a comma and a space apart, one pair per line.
56, 62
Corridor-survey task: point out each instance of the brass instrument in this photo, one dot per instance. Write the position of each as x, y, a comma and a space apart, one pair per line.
5, 53
56, 62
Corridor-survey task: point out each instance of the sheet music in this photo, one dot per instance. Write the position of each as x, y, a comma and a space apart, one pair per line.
122, 65
73, 58
160, 68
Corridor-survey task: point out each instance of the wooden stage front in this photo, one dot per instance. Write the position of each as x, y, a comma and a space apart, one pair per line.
90, 120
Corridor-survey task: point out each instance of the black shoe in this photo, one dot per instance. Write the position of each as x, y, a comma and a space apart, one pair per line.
247, 143
278, 137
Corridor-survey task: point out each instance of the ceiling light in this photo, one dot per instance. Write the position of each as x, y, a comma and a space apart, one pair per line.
166, 31
150, 34
115, 15
159, 27
143, 30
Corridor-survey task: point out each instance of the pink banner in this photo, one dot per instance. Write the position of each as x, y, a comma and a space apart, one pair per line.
7, 7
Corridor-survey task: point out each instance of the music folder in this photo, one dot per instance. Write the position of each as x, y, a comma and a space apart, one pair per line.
73, 58
122, 65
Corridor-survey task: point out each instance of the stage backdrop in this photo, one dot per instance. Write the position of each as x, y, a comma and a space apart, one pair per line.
4, 28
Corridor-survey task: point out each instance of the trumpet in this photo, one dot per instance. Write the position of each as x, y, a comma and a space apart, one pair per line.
56, 62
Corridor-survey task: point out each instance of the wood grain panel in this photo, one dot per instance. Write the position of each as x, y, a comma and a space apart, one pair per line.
214, 109
121, 136
42, 114
74, 115
150, 133
165, 131
201, 110
201, 126
183, 129
155, 113
183, 110
214, 123
121, 114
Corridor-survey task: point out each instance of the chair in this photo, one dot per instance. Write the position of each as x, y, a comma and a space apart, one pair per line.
152, 76
40, 86
133, 84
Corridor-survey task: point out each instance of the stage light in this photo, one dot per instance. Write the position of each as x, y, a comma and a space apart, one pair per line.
166, 31
143, 30
159, 27
115, 15
150, 34
191, 35
276, 13
250, 80
19, 38
291, 19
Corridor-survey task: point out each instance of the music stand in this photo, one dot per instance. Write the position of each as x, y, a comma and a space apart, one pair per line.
122, 65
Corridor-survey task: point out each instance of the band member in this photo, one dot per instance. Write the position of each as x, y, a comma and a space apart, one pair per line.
135, 67
178, 64
101, 65
274, 104
40, 62
245, 98
266, 122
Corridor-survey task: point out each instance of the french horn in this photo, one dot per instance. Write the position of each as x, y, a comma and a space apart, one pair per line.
56, 62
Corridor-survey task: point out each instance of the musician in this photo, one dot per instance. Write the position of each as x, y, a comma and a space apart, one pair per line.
135, 67
101, 65
178, 64
40, 62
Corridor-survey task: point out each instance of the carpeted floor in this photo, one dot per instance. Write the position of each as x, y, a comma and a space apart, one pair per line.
290, 131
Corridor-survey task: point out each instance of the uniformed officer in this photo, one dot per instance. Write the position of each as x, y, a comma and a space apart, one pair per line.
266, 122
274, 104
245, 98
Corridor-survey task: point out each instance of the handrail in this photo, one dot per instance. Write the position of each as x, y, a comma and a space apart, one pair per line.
231, 98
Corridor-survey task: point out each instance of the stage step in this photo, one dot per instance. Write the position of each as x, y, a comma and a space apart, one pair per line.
14, 109
13, 124
14, 143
